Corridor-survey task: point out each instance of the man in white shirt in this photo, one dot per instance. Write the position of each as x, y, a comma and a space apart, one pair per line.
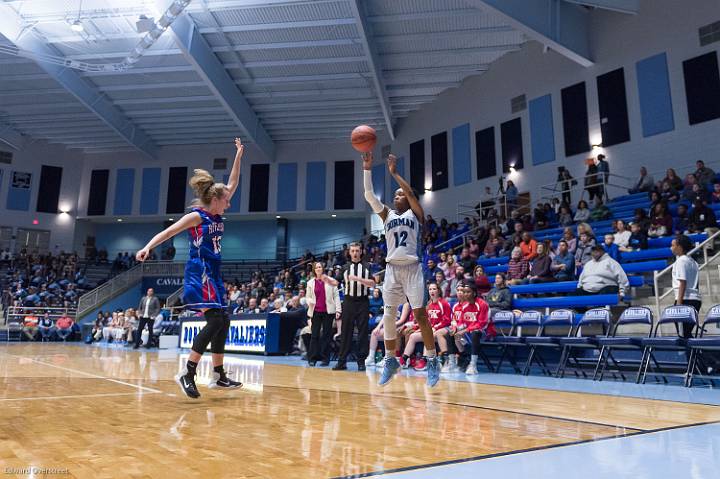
685, 278
602, 275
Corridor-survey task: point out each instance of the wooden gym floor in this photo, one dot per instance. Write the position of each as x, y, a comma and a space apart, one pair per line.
96, 412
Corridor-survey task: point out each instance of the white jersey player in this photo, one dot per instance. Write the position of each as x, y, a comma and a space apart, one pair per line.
403, 275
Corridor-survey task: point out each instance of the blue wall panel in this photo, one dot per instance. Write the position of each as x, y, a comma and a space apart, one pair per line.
401, 170
235, 201
287, 187
150, 191
124, 188
378, 181
542, 133
655, 99
18, 197
461, 154
315, 186
321, 235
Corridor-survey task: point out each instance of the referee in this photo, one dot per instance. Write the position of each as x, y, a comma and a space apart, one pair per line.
355, 309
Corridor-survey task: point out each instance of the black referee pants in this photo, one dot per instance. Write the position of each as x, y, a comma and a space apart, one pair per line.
355, 313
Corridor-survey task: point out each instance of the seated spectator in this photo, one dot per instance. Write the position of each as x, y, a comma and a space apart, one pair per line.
30, 327
602, 275
465, 260
107, 331
376, 305
584, 249
600, 212
638, 239
563, 265
644, 183
46, 327
278, 306
482, 285
442, 284
674, 180
518, 267
528, 246
449, 269
583, 213
640, 217
622, 234
430, 270
499, 298
704, 175
493, 244
64, 327
118, 332
569, 238
667, 194
715, 196
456, 281
681, 222
702, 219
130, 326
474, 249
565, 218
611, 248
690, 182
585, 228
540, 271
264, 306
661, 224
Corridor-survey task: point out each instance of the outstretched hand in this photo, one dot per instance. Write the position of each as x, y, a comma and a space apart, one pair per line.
142, 255
392, 163
238, 144
367, 159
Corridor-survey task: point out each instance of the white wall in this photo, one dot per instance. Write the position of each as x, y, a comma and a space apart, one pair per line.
618, 41
30, 159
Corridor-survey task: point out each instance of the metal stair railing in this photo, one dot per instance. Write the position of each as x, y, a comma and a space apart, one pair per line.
124, 281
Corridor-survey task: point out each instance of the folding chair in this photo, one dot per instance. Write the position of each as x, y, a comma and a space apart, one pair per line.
634, 316
700, 345
528, 324
505, 326
676, 315
580, 341
556, 326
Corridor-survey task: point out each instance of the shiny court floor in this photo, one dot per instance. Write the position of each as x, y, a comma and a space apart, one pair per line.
96, 412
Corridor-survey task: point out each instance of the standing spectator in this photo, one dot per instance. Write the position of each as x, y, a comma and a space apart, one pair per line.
323, 306
563, 265
518, 267
149, 308
355, 308
46, 327
602, 275
685, 278
704, 175
487, 202
511, 195
566, 182
593, 182
644, 184
64, 327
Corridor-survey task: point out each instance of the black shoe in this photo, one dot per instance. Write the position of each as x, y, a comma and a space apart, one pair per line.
187, 384
312, 363
340, 366
226, 383
361, 366
325, 363
136, 346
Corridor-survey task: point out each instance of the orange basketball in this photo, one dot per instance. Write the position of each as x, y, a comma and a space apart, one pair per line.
363, 138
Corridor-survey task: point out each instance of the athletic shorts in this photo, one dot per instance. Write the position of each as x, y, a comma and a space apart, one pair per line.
404, 283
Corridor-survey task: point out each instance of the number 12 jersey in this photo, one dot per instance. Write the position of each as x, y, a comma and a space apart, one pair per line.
402, 235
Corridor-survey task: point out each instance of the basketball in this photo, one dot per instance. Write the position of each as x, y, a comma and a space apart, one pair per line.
363, 138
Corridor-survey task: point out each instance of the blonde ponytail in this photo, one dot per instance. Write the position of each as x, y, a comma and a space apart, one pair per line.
205, 189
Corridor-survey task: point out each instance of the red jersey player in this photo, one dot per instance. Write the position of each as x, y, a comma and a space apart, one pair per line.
438, 311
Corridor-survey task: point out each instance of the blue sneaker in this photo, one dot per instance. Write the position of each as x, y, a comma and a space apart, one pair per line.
390, 368
433, 371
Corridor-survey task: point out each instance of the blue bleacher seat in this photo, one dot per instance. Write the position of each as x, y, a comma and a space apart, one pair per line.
702, 343
647, 254
587, 301
562, 286
665, 241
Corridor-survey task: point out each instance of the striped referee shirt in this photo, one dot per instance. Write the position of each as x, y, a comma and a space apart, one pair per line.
355, 289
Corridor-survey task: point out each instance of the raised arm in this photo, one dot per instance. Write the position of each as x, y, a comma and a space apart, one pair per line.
407, 189
234, 179
377, 207
190, 220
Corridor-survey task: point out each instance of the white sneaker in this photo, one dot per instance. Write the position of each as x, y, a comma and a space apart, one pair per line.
471, 370
452, 361
370, 361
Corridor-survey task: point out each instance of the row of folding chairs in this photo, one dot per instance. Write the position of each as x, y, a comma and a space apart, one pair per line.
635, 331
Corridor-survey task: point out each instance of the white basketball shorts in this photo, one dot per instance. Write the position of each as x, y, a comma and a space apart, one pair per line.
404, 283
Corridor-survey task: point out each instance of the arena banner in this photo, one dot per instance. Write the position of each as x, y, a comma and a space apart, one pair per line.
163, 285
249, 333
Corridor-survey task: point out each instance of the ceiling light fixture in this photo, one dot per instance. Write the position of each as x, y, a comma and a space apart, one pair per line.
77, 25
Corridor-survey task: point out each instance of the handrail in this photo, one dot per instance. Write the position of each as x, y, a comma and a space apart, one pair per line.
657, 274
581, 187
124, 281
